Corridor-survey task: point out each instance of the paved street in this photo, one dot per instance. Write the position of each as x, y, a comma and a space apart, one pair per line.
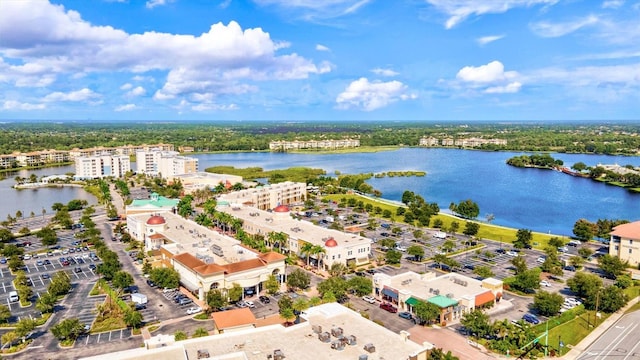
621, 341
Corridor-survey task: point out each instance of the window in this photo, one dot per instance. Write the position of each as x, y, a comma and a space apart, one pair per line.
350, 252
630, 251
630, 242
616, 248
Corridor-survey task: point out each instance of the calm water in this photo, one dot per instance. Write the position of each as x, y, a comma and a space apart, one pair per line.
520, 198
28, 200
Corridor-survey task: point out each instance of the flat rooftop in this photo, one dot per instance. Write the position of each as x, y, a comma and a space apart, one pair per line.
187, 236
424, 286
295, 228
295, 342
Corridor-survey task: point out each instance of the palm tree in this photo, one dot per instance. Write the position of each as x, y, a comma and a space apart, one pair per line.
318, 251
306, 250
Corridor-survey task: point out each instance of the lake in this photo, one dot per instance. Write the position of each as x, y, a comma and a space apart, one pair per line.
540, 200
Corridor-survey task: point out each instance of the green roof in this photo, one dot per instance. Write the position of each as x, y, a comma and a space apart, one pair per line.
442, 301
412, 301
159, 201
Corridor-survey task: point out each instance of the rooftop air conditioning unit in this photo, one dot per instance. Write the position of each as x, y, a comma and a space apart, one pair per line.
363, 357
336, 331
337, 345
324, 336
369, 348
351, 340
278, 355
316, 329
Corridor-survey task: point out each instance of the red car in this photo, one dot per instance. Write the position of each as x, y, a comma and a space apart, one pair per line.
390, 308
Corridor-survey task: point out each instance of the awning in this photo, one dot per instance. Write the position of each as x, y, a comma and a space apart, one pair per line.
390, 294
412, 301
188, 285
484, 298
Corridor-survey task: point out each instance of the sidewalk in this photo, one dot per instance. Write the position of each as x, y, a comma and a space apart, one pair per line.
577, 350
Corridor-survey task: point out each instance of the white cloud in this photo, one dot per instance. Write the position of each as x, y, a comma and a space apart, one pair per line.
75, 96
384, 72
612, 4
127, 107
153, 3
459, 10
320, 47
312, 9
126, 86
490, 73
547, 29
488, 39
224, 4
225, 57
370, 96
137, 91
16, 105
513, 87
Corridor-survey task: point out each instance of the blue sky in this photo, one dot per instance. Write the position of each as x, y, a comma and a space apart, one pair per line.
320, 60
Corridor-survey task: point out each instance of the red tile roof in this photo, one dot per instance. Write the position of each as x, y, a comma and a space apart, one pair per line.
628, 231
484, 298
188, 260
243, 265
233, 318
209, 269
272, 256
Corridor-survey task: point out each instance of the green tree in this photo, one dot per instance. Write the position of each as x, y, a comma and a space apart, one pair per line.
547, 304
393, 257
612, 299
624, 281
6, 235
337, 269
15, 263
165, 277
523, 239
336, 285
298, 279
556, 242
520, 264
287, 314
583, 284
216, 299
471, 228
528, 280
46, 303
5, 314
25, 326
360, 285
9, 338
272, 285
439, 354
60, 284
68, 329
426, 312
466, 209
122, 279
612, 265
133, 318
585, 252
416, 251
235, 293
200, 332
180, 335
584, 229
483, 272
477, 322
285, 302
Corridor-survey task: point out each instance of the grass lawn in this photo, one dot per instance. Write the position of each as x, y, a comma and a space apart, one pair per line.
108, 324
572, 332
486, 231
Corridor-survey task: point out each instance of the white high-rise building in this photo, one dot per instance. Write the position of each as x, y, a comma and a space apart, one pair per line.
94, 167
164, 163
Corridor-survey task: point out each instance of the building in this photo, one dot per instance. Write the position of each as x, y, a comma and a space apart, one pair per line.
228, 321
164, 163
96, 167
625, 243
328, 144
327, 332
205, 259
156, 204
203, 180
9, 161
336, 246
127, 150
463, 142
453, 293
429, 141
269, 196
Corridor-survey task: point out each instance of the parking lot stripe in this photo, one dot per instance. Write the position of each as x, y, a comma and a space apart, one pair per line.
1, 273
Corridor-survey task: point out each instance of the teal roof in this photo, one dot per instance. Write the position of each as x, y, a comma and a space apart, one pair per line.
442, 301
159, 201
412, 301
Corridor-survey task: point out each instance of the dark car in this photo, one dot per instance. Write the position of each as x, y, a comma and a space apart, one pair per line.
264, 299
530, 318
78, 270
570, 268
45, 276
405, 315
469, 266
92, 267
390, 308
371, 271
151, 283
360, 273
501, 251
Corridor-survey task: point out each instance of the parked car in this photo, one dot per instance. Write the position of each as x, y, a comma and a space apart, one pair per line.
545, 283
241, 304
360, 273
371, 271
185, 301
92, 267
368, 298
264, 299
405, 315
530, 318
573, 301
512, 253
250, 304
44, 276
570, 268
194, 310
151, 283
541, 259
390, 308
78, 269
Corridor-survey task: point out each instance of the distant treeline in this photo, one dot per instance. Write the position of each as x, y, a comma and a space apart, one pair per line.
535, 160
400, 174
601, 138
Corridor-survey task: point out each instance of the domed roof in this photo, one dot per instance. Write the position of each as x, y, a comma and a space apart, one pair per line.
156, 220
331, 242
281, 208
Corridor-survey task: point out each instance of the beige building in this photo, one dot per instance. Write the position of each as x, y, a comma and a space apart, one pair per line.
328, 144
453, 293
203, 180
267, 197
625, 242
205, 259
328, 332
164, 163
337, 246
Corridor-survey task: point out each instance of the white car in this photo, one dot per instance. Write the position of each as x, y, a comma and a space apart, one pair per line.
572, 301
545, 283
250, 304
401, 248
512, 253
194, 310
368, 298
541, 259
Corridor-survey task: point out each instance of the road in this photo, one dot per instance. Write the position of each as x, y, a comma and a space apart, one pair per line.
621, 341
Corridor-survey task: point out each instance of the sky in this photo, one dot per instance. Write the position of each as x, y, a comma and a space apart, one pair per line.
290, 60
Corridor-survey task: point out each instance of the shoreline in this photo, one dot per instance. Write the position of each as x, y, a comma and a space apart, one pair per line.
42, 185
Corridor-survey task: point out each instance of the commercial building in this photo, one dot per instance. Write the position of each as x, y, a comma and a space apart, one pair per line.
164, 163
205, 259
453, 293
625, 242
327, 332
269, 196
156, 204
336, 246
96, 167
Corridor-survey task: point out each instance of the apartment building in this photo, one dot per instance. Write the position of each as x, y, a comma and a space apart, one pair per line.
95, 167
463, 142
329, 144
625, 242
164, 163
8, 161
269, 196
